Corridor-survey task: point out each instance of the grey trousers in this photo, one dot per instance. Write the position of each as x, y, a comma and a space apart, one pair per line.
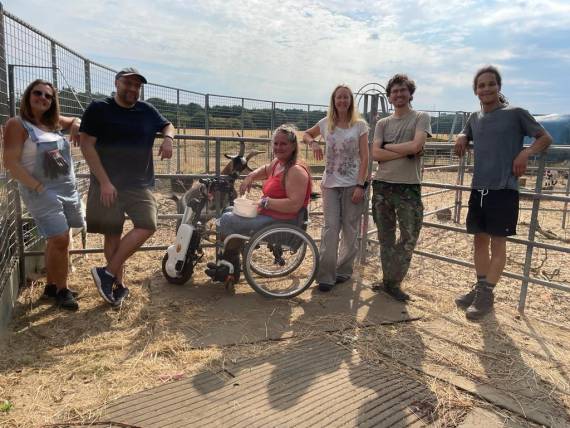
342, 222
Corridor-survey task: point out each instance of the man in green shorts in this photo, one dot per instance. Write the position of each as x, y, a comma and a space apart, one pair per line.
117, 138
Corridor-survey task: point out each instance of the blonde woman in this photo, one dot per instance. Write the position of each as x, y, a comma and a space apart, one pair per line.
343, 186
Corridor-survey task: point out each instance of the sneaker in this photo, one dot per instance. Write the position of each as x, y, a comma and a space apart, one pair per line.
120, 293
465, 300
341, 278
50, 291
64, 299
324, 287
394, 290
482, 302
104, 282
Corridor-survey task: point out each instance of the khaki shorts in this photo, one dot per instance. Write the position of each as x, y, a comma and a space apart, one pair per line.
138, 204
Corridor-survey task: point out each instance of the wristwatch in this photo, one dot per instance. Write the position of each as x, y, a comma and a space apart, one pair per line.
363, 185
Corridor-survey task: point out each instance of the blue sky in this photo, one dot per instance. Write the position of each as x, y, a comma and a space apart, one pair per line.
299, 50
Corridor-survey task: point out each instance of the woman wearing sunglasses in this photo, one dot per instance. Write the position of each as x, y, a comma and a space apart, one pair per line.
39, 158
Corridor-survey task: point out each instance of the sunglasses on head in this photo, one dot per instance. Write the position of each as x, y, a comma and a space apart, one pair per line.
39, 93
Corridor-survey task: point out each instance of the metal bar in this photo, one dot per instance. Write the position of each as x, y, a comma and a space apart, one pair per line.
217, 200
11, 90
531, 233
437, 192
19, 235
564, 214
207, 131
101, 250
178, 162
458, 193
54, 65
4, 102
87, 73
438, 210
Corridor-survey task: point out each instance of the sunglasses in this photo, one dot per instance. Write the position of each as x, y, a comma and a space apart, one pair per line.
39, 93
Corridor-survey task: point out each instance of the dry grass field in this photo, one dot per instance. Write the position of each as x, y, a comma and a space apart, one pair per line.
66, 367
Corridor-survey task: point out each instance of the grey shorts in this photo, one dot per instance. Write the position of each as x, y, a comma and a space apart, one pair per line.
138, 204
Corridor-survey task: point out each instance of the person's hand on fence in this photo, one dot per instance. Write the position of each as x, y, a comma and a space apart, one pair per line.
461, 145
74, 131
108, 194
357, 195
165, 149
317, 151
520, 163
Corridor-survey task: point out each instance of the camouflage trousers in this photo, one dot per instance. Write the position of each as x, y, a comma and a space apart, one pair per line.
393, 202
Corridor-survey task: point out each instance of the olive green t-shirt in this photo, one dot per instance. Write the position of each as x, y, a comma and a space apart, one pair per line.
396, 130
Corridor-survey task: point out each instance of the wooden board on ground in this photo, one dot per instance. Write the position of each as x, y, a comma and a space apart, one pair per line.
209, 315
315, 384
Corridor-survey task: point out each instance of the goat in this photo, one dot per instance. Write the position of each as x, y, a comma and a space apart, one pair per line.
550, 179
201, 191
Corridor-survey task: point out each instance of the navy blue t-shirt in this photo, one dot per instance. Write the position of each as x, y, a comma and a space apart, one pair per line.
125, 138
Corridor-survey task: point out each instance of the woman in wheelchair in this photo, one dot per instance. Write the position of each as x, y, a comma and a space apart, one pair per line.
286, 190
285, 196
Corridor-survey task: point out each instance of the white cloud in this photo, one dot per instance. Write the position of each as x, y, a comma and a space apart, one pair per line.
299, 50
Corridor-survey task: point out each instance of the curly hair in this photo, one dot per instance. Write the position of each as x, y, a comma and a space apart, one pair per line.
51, 117
401, 79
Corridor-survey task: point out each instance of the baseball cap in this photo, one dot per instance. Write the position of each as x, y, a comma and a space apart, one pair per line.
130, 71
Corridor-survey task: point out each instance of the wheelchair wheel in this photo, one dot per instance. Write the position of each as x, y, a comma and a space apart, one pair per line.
185, 275
280, 261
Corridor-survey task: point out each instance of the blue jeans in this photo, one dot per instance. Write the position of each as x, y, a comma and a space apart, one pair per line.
232, 223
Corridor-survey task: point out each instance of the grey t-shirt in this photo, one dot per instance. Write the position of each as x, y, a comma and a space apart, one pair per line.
398, 130
497, 140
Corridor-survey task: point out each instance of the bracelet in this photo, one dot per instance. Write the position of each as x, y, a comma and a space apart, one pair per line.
265, 202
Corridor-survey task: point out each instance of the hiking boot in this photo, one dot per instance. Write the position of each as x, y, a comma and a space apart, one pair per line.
482, 302
340, 278
50, 291
120, 293
394, 290
324, 287
104, 282
465, 300
64, 299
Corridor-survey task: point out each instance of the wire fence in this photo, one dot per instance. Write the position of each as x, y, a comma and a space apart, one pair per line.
27, 54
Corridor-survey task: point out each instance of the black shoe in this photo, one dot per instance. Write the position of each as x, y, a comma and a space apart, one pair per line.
50, 291
324, 287
120, 293
465, 300
394, 290
104, 282
341, 278
64, 299
217, 273
482, 302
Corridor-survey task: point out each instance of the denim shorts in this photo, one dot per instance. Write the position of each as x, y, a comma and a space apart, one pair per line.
55, 211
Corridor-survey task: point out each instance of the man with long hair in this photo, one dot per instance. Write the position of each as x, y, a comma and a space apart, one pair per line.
398, 143
497, 132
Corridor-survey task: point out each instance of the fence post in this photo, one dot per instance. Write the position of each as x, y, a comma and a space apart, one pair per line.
564, 213
11, 91
178, 165
364, 224
207, 132
272, 116
217, 196
87, 71
459, 193
242, 117
54, 64
19, 234
4, 109
307, 127
532, 231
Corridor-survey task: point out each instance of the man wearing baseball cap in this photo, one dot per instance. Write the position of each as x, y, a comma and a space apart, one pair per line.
117, 138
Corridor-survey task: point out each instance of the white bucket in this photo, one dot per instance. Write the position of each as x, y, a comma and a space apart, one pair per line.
245, 207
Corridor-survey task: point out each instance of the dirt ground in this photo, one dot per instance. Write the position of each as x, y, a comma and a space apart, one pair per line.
58, 366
